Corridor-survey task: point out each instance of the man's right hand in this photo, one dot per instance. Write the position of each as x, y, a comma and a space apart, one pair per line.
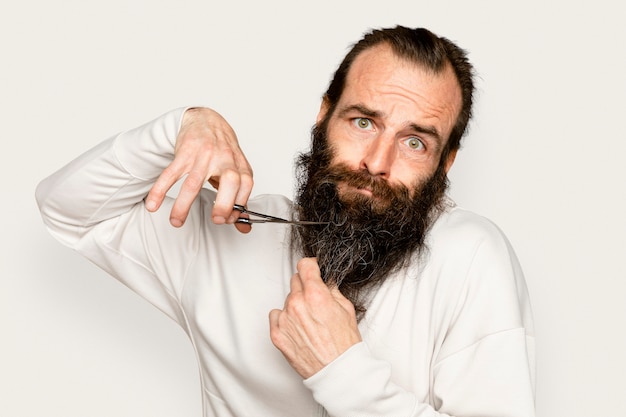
206, 150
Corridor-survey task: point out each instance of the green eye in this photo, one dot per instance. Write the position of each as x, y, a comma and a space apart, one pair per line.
363, 123
415, 143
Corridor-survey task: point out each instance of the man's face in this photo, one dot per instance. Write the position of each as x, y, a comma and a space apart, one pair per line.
393, 120
374, 172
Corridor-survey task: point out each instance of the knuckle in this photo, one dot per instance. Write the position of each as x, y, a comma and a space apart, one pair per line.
348, 306
168, 173
194, 180
247, 181
157, 190
231, 176
294, 304
226, 153
316, 297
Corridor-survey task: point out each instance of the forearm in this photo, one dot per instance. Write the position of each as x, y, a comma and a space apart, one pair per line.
490, 379
107, 180
357, 384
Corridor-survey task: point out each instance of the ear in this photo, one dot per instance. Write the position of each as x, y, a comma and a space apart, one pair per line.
450, 159
323, 110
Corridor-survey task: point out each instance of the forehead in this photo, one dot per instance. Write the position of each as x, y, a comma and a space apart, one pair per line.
403, 91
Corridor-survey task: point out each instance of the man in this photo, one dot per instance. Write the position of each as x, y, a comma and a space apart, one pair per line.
399, 304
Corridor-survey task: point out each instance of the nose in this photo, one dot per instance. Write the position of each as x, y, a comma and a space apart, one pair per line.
379, 157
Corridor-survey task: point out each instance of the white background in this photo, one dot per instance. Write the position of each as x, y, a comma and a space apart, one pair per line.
544, 160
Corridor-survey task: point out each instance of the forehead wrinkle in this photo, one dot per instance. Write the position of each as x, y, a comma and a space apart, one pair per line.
375, 77
407, 92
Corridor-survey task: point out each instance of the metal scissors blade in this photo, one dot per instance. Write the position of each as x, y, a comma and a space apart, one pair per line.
266, 218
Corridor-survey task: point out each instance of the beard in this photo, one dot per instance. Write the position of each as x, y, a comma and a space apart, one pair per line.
368, 237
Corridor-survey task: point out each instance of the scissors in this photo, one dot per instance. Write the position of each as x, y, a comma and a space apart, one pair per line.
265, 218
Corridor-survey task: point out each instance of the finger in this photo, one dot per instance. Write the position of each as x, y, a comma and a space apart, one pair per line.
310, 272
229, 183
234, 185
273, 316
245, 189
159, 189
274, 327
246, 180
282, 334
295, 284
188, 193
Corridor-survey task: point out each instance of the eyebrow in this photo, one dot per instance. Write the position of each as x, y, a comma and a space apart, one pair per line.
364, 110
361, 109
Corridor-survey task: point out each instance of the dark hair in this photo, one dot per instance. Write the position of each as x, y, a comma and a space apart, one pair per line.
424, 48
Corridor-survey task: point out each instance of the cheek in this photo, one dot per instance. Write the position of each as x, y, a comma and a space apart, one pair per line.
407, 177
344, 150
411, 175
345, 155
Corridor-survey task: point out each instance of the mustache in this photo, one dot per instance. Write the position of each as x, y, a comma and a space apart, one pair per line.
380, 188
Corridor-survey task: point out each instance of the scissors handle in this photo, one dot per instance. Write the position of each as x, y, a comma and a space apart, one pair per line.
266, 218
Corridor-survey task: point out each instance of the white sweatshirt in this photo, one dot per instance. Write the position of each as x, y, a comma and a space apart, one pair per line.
451, 335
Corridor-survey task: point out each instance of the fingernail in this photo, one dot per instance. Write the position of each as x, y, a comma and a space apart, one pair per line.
150, 205
176, 222
219, 220
232, 219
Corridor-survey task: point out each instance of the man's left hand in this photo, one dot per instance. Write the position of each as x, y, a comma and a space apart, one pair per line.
317, 323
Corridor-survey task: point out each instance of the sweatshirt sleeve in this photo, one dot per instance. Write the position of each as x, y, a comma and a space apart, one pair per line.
94, 205
360, 385
357, 384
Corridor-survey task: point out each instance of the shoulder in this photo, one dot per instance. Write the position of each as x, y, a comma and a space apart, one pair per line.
458, 232
479, 279
470, 250
456, 222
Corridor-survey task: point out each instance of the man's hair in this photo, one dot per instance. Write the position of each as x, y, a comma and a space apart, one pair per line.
425, 49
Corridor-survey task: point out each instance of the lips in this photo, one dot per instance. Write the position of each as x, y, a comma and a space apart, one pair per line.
346, 188
365, 191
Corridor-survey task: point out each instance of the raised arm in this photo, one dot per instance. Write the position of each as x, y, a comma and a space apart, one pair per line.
144, 163
95, 204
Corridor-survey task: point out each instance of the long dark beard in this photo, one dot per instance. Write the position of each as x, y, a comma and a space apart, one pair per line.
368, 237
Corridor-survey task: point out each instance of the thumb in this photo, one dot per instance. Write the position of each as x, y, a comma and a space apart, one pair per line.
273, 317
